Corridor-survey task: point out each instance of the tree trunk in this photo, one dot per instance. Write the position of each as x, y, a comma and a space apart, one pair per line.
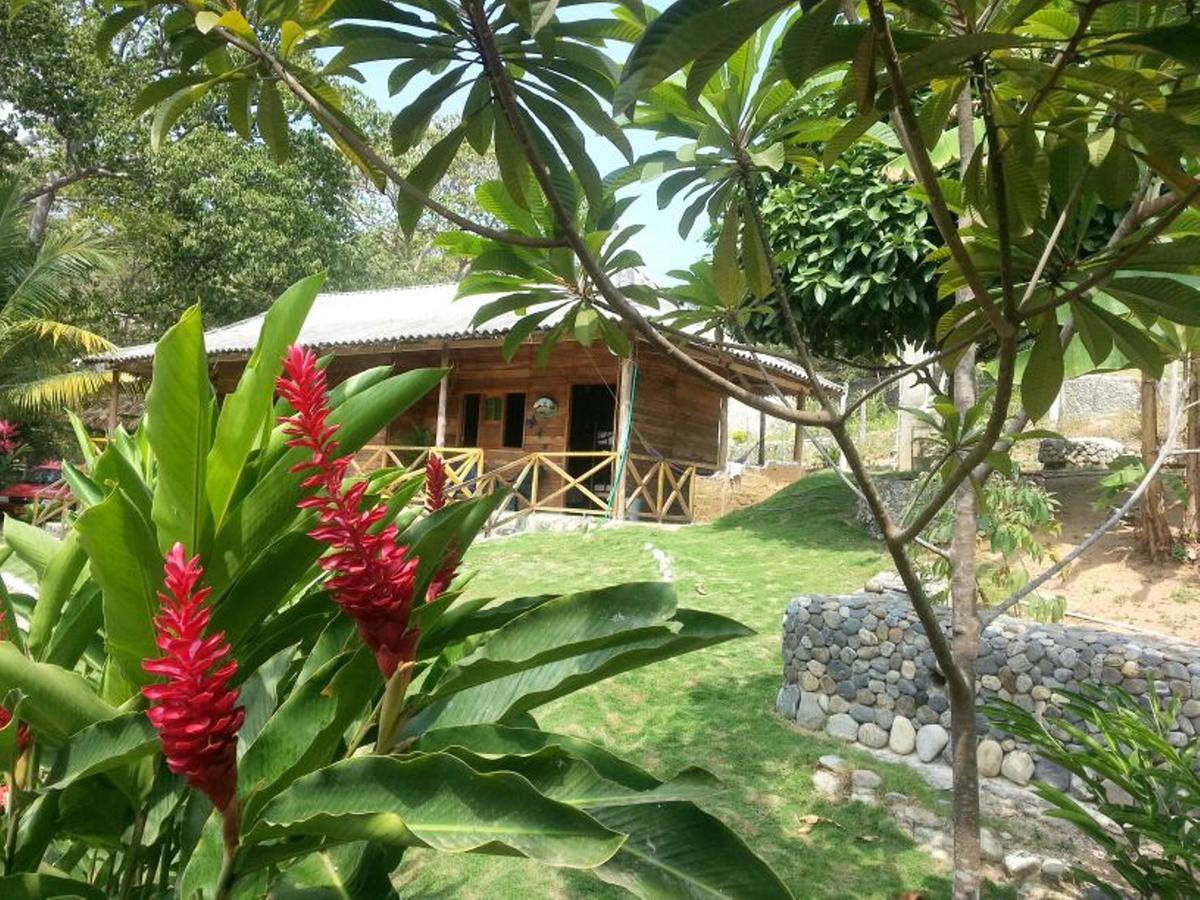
964, 643
762, 438
1154, 532
798, 439
40, 217
964, 617
1192, 522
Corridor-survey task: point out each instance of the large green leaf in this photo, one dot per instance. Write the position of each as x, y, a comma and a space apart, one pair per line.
179, 408
105, 745
513, 694
64, 574
1150, 298
566, 626
559, 775
240, 423
435, 800
506, 740
126, 564
686, 30
37, 886
306, 729
34, 546
1043, 374
79, 628
58, 703
675, 849
358, 871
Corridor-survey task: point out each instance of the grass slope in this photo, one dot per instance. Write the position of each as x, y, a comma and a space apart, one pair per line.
713, 708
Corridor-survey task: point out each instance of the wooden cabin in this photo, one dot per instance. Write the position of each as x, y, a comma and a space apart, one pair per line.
587, 433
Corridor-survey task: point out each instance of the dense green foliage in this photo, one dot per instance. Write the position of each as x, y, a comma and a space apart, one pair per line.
1119, 752
460, 763
179, 215
854, 249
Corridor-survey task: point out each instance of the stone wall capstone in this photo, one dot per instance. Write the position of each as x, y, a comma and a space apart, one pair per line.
859, 667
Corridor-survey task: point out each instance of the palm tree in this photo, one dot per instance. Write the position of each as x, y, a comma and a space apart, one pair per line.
36, 278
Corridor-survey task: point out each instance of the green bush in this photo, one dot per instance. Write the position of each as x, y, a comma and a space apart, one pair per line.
1128, 768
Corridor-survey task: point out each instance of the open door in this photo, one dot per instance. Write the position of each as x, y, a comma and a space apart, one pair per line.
592, 428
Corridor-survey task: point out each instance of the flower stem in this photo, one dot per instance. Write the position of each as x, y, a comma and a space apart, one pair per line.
131, 861
231, 826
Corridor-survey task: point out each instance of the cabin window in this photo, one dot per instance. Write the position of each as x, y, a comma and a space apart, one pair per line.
470, 428
514, 420
493, 409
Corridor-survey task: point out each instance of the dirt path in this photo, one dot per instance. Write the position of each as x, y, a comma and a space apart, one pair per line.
1112, 581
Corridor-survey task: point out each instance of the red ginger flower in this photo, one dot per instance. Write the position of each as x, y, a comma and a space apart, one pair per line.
373, 577
435, 483
435, 499
195, 710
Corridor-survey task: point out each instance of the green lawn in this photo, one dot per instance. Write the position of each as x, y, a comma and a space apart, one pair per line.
713, 708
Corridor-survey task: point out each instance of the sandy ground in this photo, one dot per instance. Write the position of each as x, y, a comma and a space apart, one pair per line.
717, 495
1112, 581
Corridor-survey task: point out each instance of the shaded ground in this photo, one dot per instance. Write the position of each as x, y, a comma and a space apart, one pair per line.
1112, 581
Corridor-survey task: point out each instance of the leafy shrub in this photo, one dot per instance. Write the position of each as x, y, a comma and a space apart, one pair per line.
855, 250
1016, 516
399, 715
1130, 771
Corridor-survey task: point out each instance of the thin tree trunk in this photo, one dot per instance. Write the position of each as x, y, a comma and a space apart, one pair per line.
798, 439
40, 217
1154, 532
964, 617
762, 438
1193, 443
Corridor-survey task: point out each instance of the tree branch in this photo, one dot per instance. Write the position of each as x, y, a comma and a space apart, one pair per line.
927, 175
57, 184
318, 111
506, 99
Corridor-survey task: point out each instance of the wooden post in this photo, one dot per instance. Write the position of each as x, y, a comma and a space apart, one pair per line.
439, 439
798, 440
617, 508
762, 438
723, 435
114, 399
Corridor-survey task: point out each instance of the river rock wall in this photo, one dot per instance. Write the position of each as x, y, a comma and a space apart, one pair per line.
859, 667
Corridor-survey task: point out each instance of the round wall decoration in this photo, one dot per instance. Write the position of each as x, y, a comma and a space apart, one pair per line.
545, 408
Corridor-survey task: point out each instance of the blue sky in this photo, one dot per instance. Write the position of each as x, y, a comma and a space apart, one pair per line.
659, 242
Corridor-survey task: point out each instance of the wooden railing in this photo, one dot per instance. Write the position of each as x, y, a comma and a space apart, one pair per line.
568, 483
577, 483
464, 466
660, 489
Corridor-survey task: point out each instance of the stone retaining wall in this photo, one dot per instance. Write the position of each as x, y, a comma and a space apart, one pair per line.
859, 667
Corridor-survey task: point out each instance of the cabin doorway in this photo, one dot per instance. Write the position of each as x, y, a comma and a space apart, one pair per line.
593, 414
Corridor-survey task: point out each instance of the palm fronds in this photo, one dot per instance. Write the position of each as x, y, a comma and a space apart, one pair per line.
36, 288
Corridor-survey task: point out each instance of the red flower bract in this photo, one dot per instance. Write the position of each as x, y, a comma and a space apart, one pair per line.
373, 577
195, 710
435, 483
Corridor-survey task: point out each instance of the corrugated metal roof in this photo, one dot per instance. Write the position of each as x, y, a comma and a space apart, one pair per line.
397, 315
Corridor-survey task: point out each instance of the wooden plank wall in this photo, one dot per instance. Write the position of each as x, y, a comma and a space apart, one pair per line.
676, 414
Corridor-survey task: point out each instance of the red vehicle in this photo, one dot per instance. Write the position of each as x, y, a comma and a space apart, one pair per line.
41, 483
